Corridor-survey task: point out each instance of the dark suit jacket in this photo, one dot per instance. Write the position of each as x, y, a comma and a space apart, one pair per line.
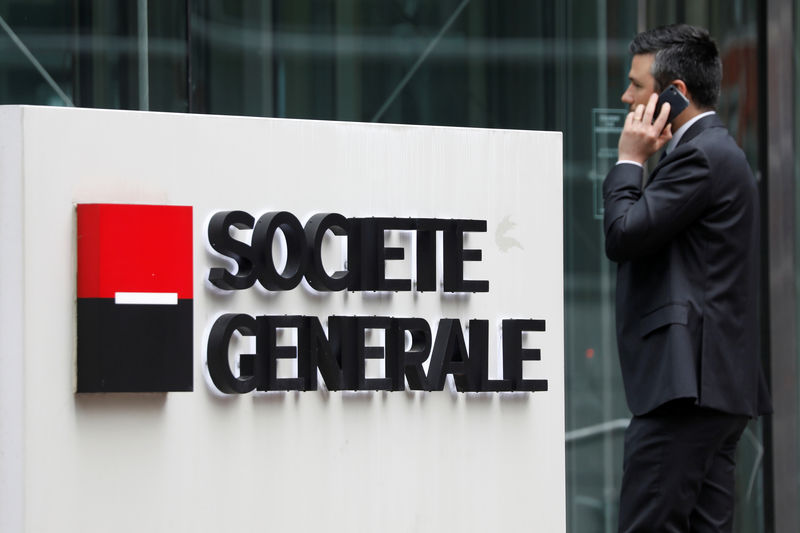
687, 246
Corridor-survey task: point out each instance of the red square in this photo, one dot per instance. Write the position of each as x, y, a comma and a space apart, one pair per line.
134, 298
134, 248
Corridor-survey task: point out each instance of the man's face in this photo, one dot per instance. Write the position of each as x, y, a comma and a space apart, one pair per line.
642, 84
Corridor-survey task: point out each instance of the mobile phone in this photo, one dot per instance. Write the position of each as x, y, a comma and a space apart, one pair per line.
677, 103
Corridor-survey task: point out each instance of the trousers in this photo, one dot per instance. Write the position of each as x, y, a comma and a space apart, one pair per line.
679, 470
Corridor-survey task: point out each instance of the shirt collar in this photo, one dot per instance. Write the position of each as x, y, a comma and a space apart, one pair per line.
676, 137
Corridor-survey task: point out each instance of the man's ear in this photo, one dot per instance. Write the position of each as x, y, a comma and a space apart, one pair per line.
681, 86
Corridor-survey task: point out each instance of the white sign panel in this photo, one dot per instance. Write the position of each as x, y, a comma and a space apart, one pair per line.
371, 318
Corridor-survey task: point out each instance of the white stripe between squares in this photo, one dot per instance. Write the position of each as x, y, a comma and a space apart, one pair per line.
151, 298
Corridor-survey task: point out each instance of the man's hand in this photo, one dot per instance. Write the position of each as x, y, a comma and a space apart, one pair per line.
641, 137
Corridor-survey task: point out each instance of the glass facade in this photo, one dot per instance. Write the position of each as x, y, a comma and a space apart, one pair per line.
518, 64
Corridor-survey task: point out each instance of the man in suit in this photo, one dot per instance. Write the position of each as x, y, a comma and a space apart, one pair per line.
687, 248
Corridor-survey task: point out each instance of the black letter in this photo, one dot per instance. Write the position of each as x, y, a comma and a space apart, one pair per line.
409, 362
450, 356
267, 346
220, 240
479, 358
514, 354
326, 355
391, 253
315, 230
373, 352
217, 355
263, 235
426, 252
455, 255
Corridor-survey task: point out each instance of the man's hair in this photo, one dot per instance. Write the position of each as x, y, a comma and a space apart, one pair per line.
687, 53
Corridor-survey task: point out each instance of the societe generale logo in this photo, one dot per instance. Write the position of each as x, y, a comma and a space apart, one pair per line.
134, 294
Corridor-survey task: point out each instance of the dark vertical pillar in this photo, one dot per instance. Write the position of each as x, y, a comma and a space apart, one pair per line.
83, 93
780, 333
189, 106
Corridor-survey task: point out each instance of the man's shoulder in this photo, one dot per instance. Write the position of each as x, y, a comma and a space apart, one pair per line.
709, 133
722, 159
713, 143
721, 149
710, 153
